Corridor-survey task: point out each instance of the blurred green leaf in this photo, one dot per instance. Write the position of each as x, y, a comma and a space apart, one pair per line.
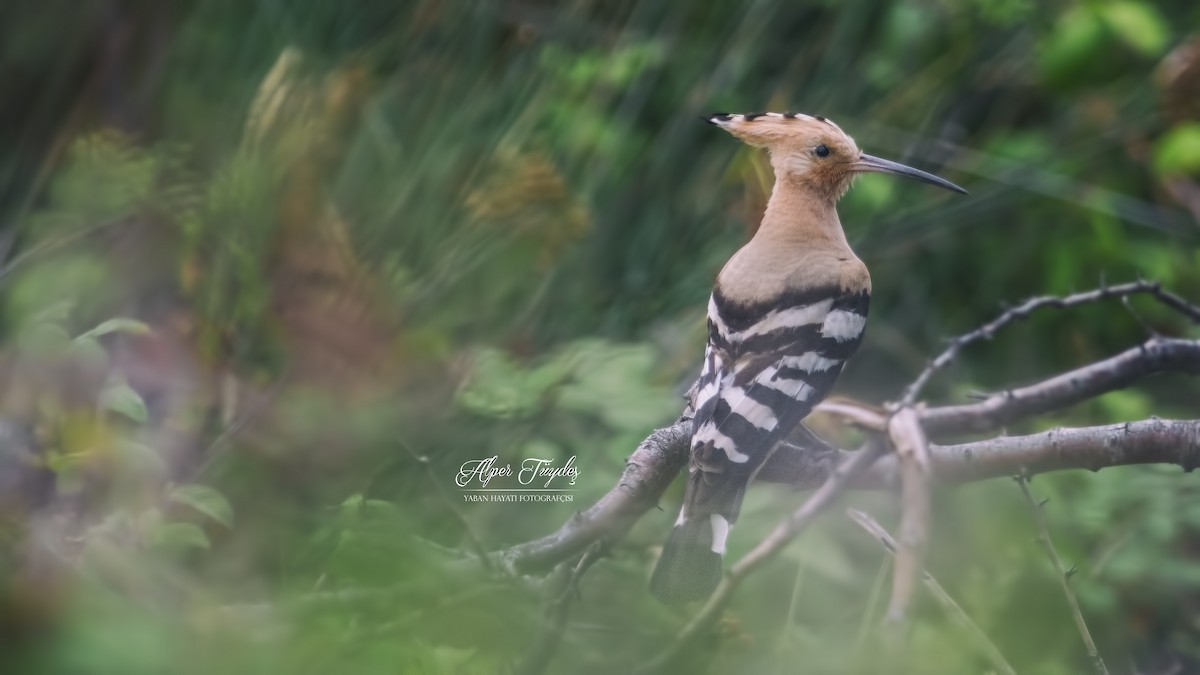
178, 537
1076, 40
1178, 151
205, 500
132, 326
120, 398
89, 351
1126, 404
1138, 24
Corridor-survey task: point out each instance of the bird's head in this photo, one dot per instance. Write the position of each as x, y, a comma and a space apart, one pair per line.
814, 151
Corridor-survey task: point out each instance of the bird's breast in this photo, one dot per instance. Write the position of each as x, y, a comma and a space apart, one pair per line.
757, 276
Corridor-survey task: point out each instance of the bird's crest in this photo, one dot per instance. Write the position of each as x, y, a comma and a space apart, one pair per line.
803, 147
773, 129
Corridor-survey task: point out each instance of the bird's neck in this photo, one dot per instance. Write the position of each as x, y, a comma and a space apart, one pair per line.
797, 216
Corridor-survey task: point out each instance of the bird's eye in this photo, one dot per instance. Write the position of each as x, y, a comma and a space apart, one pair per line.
822, 150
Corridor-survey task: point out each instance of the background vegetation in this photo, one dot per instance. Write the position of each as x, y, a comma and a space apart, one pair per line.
259, 258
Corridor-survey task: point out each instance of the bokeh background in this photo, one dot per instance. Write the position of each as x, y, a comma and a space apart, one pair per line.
258, 258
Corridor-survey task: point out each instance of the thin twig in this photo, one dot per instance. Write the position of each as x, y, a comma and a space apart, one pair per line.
912, 455
562, 586
1064, 576
1022, 311
768, 548
982, 641
870, 616
790, 617
856, 413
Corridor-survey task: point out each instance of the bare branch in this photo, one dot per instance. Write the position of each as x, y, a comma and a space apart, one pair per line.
648, 473
1064, 576
1022, 311
1152, 441
912, 455
651, 469
982, 641
855, 413
1156, 355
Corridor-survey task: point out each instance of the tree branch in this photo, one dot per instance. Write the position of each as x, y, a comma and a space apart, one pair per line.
1156, 355
1022, 311
1152, 441
912, 458
648, 473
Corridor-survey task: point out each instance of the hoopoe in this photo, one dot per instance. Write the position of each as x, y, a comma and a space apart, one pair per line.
786, 312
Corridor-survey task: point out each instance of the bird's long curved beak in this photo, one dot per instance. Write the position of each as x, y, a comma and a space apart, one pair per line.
870, 163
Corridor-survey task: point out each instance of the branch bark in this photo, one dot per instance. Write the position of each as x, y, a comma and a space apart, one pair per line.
1156, 355
648, 473
1152, 441
912, 457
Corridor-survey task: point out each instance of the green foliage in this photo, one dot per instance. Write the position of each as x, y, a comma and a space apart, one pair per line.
132, 326
204, 500
1138, 24
119, 397
611, 382
106, 177
1179, 150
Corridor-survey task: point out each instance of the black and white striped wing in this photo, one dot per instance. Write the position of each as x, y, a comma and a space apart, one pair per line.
764, 372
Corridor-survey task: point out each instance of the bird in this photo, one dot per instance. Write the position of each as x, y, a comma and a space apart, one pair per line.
786, 312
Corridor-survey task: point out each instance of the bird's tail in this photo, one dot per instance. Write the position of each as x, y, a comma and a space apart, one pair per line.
691, 564
688, 568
